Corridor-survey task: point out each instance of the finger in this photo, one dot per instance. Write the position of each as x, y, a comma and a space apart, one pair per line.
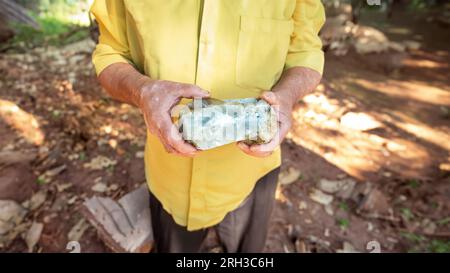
247, 149
167, 147
150, 128
275, 142
193, 91
173, 137
155, 130
266, 148
158, 132
270, 97
170, 149
259, 153
244, 147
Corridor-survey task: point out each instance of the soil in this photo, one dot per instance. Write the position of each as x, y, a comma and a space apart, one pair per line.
69, 121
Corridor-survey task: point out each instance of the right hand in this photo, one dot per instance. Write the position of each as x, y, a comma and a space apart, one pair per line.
157, 98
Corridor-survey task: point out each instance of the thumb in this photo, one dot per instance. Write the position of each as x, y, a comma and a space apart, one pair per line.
270, 97
195, 92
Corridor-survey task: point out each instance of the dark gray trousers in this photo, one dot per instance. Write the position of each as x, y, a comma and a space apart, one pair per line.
242, 230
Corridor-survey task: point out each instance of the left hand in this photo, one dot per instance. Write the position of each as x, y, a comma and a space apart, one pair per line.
283, 106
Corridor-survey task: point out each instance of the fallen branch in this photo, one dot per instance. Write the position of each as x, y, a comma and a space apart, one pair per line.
125, 225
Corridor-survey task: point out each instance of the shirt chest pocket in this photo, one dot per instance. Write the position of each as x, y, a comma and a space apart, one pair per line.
261, 53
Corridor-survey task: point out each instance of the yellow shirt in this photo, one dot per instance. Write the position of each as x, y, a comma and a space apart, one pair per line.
232, 48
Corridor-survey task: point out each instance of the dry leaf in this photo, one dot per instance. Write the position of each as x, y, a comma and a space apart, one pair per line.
78, 230
33, 235
36, 200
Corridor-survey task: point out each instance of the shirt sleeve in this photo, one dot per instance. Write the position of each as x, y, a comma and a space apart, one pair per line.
113, 43
306, 47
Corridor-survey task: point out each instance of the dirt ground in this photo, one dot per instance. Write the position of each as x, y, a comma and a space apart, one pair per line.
381, 133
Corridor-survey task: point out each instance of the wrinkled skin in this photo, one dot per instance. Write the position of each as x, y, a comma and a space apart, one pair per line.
156, 98
294, 84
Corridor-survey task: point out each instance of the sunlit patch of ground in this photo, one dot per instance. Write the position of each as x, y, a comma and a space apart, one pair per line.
369, 124
425, 63
23, 122
389, 129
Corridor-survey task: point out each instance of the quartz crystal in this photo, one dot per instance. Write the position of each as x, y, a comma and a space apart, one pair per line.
210, 123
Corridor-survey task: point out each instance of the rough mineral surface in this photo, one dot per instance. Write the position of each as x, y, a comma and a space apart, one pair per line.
212, 123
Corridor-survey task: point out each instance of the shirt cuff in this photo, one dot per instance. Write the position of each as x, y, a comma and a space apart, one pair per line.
314, 60
104, 56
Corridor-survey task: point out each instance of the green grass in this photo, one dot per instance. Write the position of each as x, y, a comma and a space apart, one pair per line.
110, 169
438, 246
343, 223
82, 156
434, 205
423, 244
417, 5
56, 25
41, 181
56, 114
415, 238
413, 183
444, 221
343, 206
407, 214
51, 32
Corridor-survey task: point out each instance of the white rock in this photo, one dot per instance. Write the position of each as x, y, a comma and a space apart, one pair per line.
289, 176
342, 188
11, 215
140, 154
370, 40
100, 162
113, 187
100, 187
320, 197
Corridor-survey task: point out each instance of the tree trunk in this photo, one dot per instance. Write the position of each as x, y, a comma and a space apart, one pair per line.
12, 13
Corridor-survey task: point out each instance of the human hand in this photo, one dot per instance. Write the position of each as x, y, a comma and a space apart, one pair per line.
157, 98
283, 106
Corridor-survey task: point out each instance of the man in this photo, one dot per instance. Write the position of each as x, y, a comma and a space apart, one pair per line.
154, 53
